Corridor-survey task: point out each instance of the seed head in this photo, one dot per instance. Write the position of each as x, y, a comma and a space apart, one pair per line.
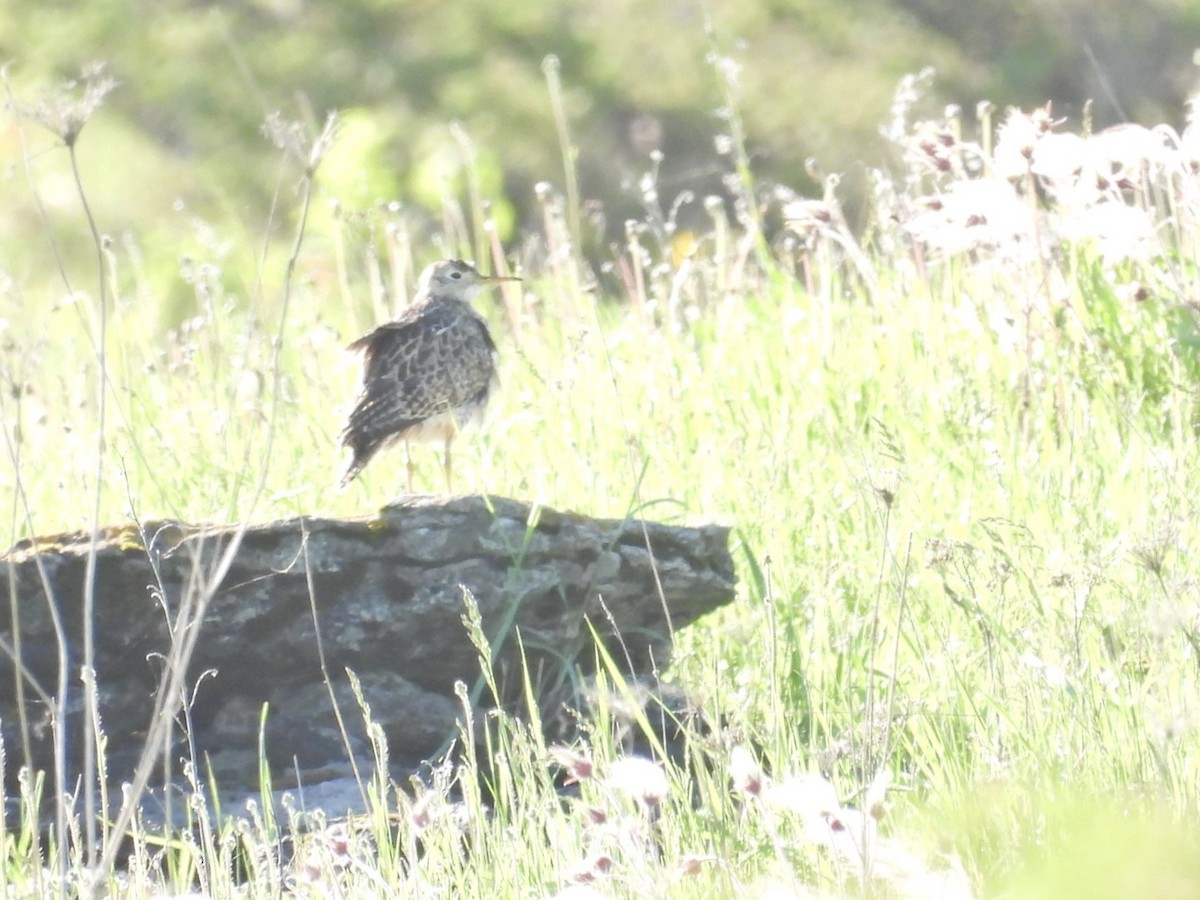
66, 110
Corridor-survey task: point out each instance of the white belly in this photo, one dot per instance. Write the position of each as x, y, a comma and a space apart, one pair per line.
443, 426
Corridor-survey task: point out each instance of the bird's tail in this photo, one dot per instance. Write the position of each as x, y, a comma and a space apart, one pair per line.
351, 471
361, 452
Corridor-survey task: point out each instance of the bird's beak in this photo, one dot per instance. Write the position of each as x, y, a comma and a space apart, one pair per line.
497, 279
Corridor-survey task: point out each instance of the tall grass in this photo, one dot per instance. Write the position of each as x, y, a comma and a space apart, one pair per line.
958, 447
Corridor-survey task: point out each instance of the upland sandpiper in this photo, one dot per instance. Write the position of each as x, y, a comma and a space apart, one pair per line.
427, 373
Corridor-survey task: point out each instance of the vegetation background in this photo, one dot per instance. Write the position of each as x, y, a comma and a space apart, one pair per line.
817, 78
956, 437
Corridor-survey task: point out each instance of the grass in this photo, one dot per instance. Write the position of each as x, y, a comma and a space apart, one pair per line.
961, 476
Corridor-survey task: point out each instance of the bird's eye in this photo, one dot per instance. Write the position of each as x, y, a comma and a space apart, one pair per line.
456, 275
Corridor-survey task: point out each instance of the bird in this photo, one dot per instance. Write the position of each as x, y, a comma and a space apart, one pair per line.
427, 373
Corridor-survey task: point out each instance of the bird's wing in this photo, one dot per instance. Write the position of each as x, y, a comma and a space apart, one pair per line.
420, 366
405, 327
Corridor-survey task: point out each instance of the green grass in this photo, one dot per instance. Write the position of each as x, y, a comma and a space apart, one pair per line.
964, 507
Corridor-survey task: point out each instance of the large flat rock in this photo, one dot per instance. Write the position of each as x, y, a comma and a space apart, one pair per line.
386, 595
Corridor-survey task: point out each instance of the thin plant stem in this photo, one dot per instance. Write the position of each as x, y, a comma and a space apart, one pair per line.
91, 713
552, 69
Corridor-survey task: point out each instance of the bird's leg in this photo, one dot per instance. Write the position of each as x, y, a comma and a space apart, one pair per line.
408, 464
449, 467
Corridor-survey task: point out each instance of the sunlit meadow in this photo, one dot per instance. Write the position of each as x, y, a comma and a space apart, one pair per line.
956, 442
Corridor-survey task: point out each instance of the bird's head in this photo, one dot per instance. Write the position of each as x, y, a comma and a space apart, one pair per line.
458, 279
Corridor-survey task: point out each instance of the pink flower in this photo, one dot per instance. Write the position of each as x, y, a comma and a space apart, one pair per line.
579, 766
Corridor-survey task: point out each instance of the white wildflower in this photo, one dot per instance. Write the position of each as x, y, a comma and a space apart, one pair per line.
640, 778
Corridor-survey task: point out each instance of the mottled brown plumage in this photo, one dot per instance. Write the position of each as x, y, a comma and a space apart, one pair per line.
427, 373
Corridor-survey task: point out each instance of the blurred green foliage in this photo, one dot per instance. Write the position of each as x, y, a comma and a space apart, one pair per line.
813, 79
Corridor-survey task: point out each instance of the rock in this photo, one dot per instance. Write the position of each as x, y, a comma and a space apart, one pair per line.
389, 596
